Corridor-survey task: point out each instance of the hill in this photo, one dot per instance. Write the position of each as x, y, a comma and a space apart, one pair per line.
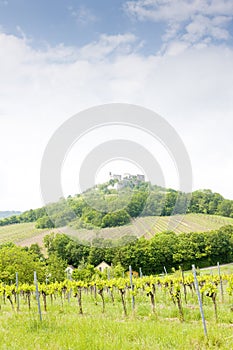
25, 234
129, 207
108, 206
149, 226
8, 213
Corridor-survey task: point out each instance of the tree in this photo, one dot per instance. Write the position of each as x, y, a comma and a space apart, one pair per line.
170, 201
162, 247
56, 244
55, 268
15, 259
44, 222
219, 246
35, 250
154, 204
117, 218
85, 272
92, 216
190, 248
225, 208
76, 252
117, 271
96, 255
137, 204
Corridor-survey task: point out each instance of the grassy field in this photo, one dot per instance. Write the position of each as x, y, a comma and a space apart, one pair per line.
23, 234
213, 270
63, 328
26, 234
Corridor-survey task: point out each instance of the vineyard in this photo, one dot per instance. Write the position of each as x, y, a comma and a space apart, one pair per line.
26, 233
23, 233
149, 226
153, 312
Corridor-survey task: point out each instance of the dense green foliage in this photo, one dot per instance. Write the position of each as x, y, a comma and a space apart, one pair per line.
14, 259
28, 216
44, 222
27, 260
164, 249
117, 218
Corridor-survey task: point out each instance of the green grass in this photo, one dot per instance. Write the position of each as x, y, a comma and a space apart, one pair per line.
62, 328
213, 270
20, 233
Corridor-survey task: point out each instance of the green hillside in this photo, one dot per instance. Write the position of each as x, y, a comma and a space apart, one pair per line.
149, 226
26, 233
23, 234
105, 206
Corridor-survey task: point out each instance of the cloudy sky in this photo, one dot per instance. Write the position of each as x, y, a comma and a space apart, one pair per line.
60, 57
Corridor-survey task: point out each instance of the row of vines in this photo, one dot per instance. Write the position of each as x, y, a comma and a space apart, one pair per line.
128, 293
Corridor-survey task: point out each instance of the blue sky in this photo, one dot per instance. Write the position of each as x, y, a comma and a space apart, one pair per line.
80, 22
60, 57
74, 22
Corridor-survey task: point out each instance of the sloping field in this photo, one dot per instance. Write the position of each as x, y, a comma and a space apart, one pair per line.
213, 270
26, 234
149, 226
23, 234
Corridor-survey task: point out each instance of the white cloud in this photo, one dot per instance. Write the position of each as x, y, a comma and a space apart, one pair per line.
83, 15
107, 44
203, 27
187, 20
191, 88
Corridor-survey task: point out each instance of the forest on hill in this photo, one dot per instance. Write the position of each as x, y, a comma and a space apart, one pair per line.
105, 206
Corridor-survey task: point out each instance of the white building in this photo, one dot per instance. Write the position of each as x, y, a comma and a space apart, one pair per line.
102, 266
115, 177
69, 270
141, 177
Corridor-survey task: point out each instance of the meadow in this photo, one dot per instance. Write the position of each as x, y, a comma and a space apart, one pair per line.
23, 234
63, 327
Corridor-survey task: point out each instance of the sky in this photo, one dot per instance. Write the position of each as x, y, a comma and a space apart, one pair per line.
60, 57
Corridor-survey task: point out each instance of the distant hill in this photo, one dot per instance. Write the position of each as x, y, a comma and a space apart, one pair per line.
8, 213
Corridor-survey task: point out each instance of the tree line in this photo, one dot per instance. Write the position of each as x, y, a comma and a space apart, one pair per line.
164, 249
26, 260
